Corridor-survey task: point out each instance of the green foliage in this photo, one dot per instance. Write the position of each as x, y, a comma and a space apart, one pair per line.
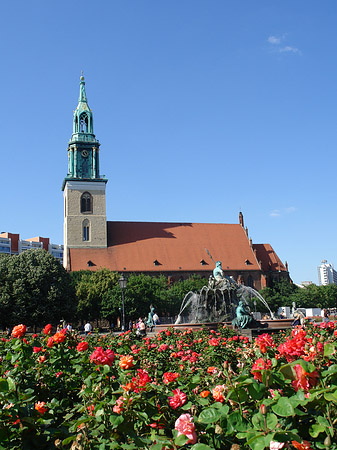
34, 289
284, 293
317, 296
174, 294
99, 294
142, 291
280, 294
95, 291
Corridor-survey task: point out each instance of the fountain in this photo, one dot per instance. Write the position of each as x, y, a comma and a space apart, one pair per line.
226, 302
217, 302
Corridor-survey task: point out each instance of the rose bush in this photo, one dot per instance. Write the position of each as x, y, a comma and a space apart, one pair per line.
180, 389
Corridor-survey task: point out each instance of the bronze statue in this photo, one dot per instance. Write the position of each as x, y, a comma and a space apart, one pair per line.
150, 322
243, 317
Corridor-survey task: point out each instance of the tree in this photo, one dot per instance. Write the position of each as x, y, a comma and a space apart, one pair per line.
174, 295
142, 291
281, 293
35, 289
313, 296
94, 291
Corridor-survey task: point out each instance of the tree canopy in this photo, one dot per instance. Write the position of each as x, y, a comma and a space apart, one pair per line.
284, 293
34, 289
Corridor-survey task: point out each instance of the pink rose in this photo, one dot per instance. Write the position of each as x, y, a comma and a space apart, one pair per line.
178, 399
162, 347
184, 425
101, 357
276, 445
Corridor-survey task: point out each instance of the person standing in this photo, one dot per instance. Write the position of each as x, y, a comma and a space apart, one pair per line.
87, 328
155, 319
142, 327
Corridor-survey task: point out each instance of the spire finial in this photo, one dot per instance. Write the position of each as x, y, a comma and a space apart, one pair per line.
83, 96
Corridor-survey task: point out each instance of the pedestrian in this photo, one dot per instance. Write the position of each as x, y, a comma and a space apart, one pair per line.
141, 327
156, 320
87, 328
325, 315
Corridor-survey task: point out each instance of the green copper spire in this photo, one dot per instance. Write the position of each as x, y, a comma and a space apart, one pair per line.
83, 148
83, 124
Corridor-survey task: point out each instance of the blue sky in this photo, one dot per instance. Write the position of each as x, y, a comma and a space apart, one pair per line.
203, 109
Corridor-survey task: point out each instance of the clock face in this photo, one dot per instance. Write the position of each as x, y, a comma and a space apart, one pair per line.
84, 153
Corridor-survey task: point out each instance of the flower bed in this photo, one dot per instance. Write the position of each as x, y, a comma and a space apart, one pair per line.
181, 389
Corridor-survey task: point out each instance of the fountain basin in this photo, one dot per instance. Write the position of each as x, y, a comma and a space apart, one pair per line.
276, 325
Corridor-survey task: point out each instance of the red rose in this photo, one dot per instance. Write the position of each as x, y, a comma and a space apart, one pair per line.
50, 342
47, 329
259, 366
168, 377
304, 380
264, 341
37, 349
82, 346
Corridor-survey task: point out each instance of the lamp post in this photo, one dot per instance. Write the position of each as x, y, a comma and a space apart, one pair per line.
122, 284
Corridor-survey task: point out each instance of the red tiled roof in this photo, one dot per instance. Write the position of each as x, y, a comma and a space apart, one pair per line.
135, 246
268, 258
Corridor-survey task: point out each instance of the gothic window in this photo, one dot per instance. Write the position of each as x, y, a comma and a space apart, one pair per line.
250, 281
83, 123
86, 203
86, 230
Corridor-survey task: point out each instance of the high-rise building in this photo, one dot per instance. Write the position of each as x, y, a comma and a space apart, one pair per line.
326, 274
11, 244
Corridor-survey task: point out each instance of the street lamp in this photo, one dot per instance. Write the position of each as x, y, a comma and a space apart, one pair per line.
122, 284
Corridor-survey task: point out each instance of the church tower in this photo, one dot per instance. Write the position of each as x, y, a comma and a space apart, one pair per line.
83, 188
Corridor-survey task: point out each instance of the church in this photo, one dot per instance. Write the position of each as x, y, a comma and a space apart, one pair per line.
176, 250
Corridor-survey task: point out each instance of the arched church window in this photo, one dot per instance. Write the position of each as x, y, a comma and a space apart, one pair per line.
84, 123
86, 230
86, 203
250, 281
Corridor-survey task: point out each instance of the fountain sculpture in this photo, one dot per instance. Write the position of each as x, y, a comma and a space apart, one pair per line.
222, 300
